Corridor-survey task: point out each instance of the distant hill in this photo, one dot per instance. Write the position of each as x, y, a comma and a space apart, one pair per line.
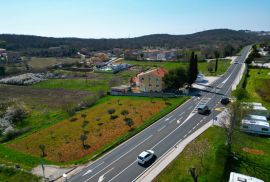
200, 40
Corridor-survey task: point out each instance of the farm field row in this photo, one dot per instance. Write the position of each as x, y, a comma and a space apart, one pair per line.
102, 129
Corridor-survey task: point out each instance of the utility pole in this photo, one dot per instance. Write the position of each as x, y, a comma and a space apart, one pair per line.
43, 171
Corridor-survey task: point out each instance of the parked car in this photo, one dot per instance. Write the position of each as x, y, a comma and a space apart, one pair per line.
145, 156
225, 101
203, 109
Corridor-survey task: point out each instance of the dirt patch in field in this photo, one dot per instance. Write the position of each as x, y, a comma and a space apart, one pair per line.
51, 98
253, 151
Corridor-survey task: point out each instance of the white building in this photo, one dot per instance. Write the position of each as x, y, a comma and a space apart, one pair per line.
236, 177
257, 109
260, 110
255, 127
200, 78
256, 118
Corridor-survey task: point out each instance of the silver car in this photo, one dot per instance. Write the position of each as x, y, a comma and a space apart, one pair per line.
145, 156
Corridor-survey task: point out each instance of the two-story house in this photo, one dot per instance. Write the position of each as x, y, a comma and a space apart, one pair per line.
151, 81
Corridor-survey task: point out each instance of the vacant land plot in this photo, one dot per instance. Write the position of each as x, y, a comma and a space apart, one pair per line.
62, 140
223, 65
258, 86
74, 84
39, 63
40, 98
252, 157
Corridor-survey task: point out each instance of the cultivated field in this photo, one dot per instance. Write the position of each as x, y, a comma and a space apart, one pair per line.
62, 140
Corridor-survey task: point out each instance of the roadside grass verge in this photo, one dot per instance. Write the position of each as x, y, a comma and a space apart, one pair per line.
13, 175
11, 157
213, 162
258, 86
102, 132
251, 156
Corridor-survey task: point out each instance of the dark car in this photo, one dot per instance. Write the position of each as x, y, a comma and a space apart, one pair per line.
225, 101
203, 109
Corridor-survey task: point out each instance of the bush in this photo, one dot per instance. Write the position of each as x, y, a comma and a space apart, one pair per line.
241, 94
114, 117
16, 113
14, 133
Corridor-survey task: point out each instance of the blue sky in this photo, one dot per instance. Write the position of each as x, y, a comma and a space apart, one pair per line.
129, 18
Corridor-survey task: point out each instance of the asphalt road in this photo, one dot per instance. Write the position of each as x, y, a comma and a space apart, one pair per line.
120, 164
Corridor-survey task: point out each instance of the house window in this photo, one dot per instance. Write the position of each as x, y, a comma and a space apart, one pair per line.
157, 85
265, 129
150, 85
245, 126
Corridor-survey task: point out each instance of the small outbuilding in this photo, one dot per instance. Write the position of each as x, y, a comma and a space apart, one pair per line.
236, 177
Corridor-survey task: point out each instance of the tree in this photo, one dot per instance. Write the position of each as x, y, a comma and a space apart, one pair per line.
42, 148
83, 116
194, 173
197, 149
125, 113
231, 119
175, 78
129, 122
216, 56
111, 112
83, 138
192, 69
2, 70
196, 67
254, 54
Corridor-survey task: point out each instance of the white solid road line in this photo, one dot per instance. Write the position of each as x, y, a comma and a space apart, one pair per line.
101, 178
122, 171
90, 170
119, 158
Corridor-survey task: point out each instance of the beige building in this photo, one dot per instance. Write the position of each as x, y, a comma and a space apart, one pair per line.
151, 81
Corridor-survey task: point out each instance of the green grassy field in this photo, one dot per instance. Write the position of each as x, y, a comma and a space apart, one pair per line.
258, 86
213, 162
11, 175
252, 157
223, 65
74, 84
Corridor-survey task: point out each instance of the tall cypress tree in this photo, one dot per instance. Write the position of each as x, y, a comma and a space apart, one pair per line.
196, 71
191, 70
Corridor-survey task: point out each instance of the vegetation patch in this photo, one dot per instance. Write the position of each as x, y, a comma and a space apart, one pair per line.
14, 175
258, 86
208, 164
93, 129
223, 65
250, 156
